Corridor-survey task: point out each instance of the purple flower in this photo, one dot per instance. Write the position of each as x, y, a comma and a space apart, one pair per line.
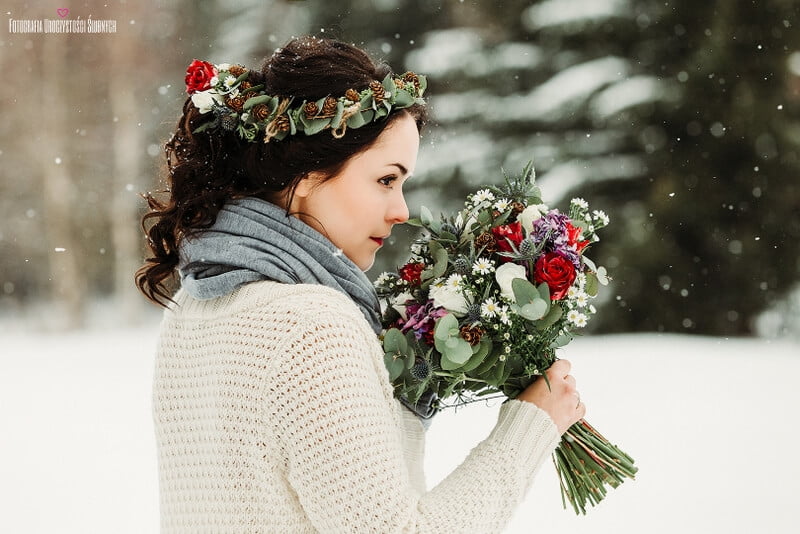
551, 231
422, 319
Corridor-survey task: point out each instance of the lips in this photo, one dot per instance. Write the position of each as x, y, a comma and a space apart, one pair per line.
378, 240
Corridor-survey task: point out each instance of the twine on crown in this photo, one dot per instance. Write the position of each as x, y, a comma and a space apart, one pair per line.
273, 128
338, 132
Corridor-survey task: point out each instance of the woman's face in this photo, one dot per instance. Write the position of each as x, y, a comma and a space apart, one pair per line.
357, 208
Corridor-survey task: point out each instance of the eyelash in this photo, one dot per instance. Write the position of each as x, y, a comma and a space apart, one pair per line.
387, 180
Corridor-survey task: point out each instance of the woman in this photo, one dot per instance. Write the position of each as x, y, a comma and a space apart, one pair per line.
273, 409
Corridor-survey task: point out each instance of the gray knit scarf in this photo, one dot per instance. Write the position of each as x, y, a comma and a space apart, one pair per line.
254, 240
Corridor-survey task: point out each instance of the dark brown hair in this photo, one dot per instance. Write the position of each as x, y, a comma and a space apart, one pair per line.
205, 170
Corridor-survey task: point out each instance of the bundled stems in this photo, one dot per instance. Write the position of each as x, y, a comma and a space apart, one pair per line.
586, 462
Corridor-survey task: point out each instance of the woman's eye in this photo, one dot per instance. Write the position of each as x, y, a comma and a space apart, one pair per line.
387, 180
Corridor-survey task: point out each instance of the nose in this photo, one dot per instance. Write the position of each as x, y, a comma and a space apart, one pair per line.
398, 210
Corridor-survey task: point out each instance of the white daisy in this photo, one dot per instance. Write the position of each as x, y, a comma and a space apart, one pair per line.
572, 292
502, 204
503, 315
580, 280
489, 308
601, 216
454, 281
483, 266
483, 194
577, 318
582, 299
579, 202
224, 66
229, 81
382, 279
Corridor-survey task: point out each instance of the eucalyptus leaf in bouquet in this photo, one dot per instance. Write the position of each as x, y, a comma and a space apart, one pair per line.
487, 297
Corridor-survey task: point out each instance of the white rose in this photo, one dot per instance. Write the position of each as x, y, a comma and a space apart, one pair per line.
205, 100
399, 303
448, 298
531, 214
505, 274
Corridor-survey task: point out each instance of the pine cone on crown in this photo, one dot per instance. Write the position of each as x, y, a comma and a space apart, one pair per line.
329, 106
283, 123
412, 78
352, 95
260, 112
311, 109
378, 92
399, 83
235, 103
237, 70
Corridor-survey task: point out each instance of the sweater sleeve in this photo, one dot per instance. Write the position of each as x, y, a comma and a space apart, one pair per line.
330, 407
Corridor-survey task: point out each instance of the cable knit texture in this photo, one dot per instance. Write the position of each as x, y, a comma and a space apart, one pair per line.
274, 413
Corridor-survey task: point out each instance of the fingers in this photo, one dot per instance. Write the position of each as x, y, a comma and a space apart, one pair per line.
559, 369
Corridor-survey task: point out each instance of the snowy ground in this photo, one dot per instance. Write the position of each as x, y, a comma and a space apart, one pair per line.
708, 421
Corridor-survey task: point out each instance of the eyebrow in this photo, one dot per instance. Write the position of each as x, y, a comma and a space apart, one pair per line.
401, 167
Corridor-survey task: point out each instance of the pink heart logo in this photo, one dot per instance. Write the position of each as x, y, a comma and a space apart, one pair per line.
62, 12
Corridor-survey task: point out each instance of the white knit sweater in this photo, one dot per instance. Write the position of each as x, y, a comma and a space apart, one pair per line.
274, 413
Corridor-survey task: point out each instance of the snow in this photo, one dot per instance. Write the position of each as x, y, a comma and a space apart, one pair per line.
711, 434
552, 13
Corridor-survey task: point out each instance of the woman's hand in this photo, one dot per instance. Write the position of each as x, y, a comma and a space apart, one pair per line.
561, 400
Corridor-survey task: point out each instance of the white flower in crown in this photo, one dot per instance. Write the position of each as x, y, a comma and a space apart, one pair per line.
530, 214
213, 81
223, 66
230, 81
505, 275
205, 100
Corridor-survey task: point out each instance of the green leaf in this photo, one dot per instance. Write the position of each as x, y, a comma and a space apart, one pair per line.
403, 98
544, 291
455, 354
602, 276
394, 341
256, 100
425, 215
440, 259
337, 117
591, 284
394, 364
524, 291
551, 318
479, 352
534, 310
443, 326
356, 120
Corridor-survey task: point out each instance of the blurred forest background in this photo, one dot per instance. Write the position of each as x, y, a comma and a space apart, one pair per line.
680, 119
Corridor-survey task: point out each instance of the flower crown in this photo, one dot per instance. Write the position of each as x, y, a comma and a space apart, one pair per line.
238, 105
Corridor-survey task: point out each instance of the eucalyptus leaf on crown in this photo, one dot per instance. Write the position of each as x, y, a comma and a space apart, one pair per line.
236, 105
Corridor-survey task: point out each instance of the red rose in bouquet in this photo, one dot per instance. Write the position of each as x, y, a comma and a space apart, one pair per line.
557, 272
506, 234
412, 272
198, 76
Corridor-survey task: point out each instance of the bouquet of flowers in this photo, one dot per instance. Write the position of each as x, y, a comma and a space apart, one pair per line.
484, 302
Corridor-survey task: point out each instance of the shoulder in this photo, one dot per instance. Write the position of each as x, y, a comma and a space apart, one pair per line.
306, 303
